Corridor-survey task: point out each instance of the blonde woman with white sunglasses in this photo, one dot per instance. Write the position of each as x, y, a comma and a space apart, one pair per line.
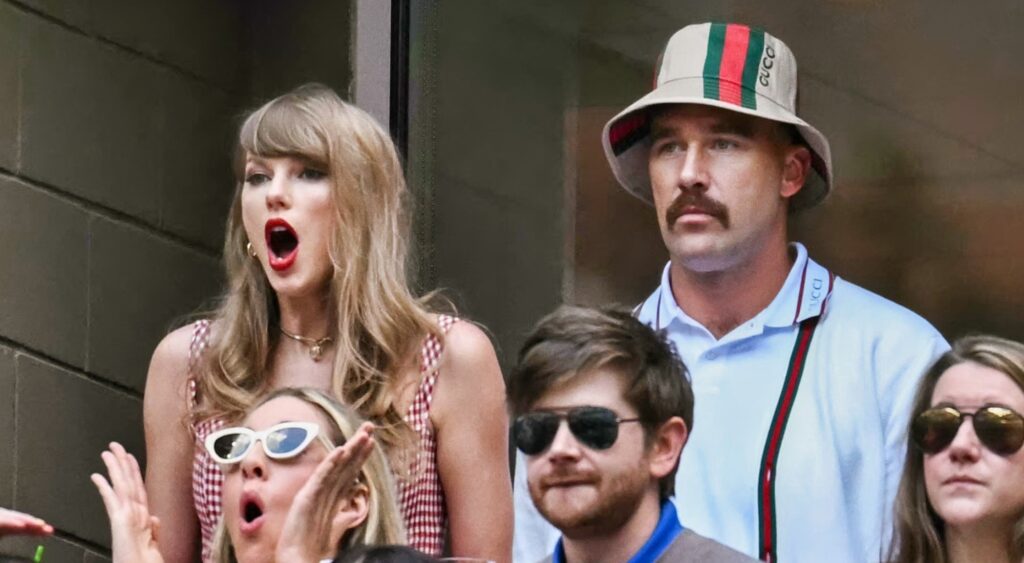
304, 478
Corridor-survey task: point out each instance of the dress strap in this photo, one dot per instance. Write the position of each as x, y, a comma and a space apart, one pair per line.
430, 358
200, 341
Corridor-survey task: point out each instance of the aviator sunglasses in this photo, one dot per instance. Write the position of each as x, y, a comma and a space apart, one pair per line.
594, 427
280, 441
1000, 429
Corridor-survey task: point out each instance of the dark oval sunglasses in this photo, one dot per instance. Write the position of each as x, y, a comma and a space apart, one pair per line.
594, 427
1000, 429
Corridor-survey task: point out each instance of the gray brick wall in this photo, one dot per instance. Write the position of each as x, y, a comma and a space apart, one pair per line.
116, 122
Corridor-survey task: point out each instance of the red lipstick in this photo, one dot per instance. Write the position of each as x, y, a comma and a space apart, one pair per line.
282, 244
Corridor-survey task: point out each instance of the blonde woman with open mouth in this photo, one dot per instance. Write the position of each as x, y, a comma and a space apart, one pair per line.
317, 296
304, 480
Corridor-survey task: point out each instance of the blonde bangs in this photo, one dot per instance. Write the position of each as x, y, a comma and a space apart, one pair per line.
284, 127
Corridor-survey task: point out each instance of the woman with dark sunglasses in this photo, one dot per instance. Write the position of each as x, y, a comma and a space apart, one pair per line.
961, 496
317, 296
304, 480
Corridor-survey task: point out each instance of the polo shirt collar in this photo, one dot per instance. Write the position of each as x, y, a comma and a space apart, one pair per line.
803, 295
661, 538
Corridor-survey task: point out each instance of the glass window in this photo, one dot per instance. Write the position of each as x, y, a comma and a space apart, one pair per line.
520, 211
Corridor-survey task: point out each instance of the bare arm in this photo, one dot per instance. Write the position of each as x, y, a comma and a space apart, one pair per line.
472, 445
169, 449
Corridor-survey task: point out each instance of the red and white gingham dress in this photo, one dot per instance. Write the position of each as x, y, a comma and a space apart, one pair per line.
421, 498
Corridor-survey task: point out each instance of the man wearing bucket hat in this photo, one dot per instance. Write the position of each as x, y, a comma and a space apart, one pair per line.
802, 381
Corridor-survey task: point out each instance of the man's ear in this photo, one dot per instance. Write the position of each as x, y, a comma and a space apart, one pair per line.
667, 445
795, 168
352, 511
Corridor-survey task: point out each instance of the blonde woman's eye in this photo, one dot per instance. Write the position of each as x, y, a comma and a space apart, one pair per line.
312, 174
256, 178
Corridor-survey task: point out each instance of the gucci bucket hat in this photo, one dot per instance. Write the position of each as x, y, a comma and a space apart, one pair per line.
731, 66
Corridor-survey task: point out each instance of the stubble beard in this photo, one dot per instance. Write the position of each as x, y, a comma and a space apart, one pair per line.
618, 499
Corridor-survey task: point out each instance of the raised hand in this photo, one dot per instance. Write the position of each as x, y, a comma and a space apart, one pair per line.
14, 522
133, 530
300, 532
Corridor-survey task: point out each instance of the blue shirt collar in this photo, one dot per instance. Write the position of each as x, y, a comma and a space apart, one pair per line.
803, 295
664, 534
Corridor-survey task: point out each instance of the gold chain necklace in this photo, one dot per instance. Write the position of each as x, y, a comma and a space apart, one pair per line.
316, 346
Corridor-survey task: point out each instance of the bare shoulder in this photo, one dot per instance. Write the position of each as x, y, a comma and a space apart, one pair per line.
166, 382
469, 372
174, 347
467, 348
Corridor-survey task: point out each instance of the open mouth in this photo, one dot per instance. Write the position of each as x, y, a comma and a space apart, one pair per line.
251, 512
282, 244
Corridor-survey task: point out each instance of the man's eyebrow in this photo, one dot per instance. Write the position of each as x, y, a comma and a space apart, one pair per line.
659, 132
739, 127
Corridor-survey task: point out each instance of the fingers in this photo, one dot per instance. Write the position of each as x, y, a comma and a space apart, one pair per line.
12, 521
125, 489
340, 468
356, 449
110, 500
115, 482
348, 460
128, 476
138, 486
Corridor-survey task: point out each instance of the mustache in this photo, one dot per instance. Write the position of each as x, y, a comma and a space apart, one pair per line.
698, 200
567, 475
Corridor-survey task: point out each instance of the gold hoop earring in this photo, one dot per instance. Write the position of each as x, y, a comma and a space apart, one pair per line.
250, 249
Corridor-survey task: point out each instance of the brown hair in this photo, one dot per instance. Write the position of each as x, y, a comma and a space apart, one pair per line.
378, 321
919, 534
575, 340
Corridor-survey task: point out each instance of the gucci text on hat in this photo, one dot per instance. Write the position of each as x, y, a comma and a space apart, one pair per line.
730, 66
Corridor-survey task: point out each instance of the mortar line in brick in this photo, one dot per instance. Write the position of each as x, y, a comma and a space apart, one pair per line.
82, 542
19, 5
58, 363
88, 290
14, 455
110, 213
19, 99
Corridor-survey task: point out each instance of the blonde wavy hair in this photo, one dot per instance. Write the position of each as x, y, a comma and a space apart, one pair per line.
378, 321
919, 534
383, 523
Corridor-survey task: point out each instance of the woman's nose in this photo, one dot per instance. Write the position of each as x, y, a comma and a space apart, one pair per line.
279, 192
965, 447
254, 464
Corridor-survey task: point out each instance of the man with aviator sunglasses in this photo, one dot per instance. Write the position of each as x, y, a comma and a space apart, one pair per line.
601, 408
